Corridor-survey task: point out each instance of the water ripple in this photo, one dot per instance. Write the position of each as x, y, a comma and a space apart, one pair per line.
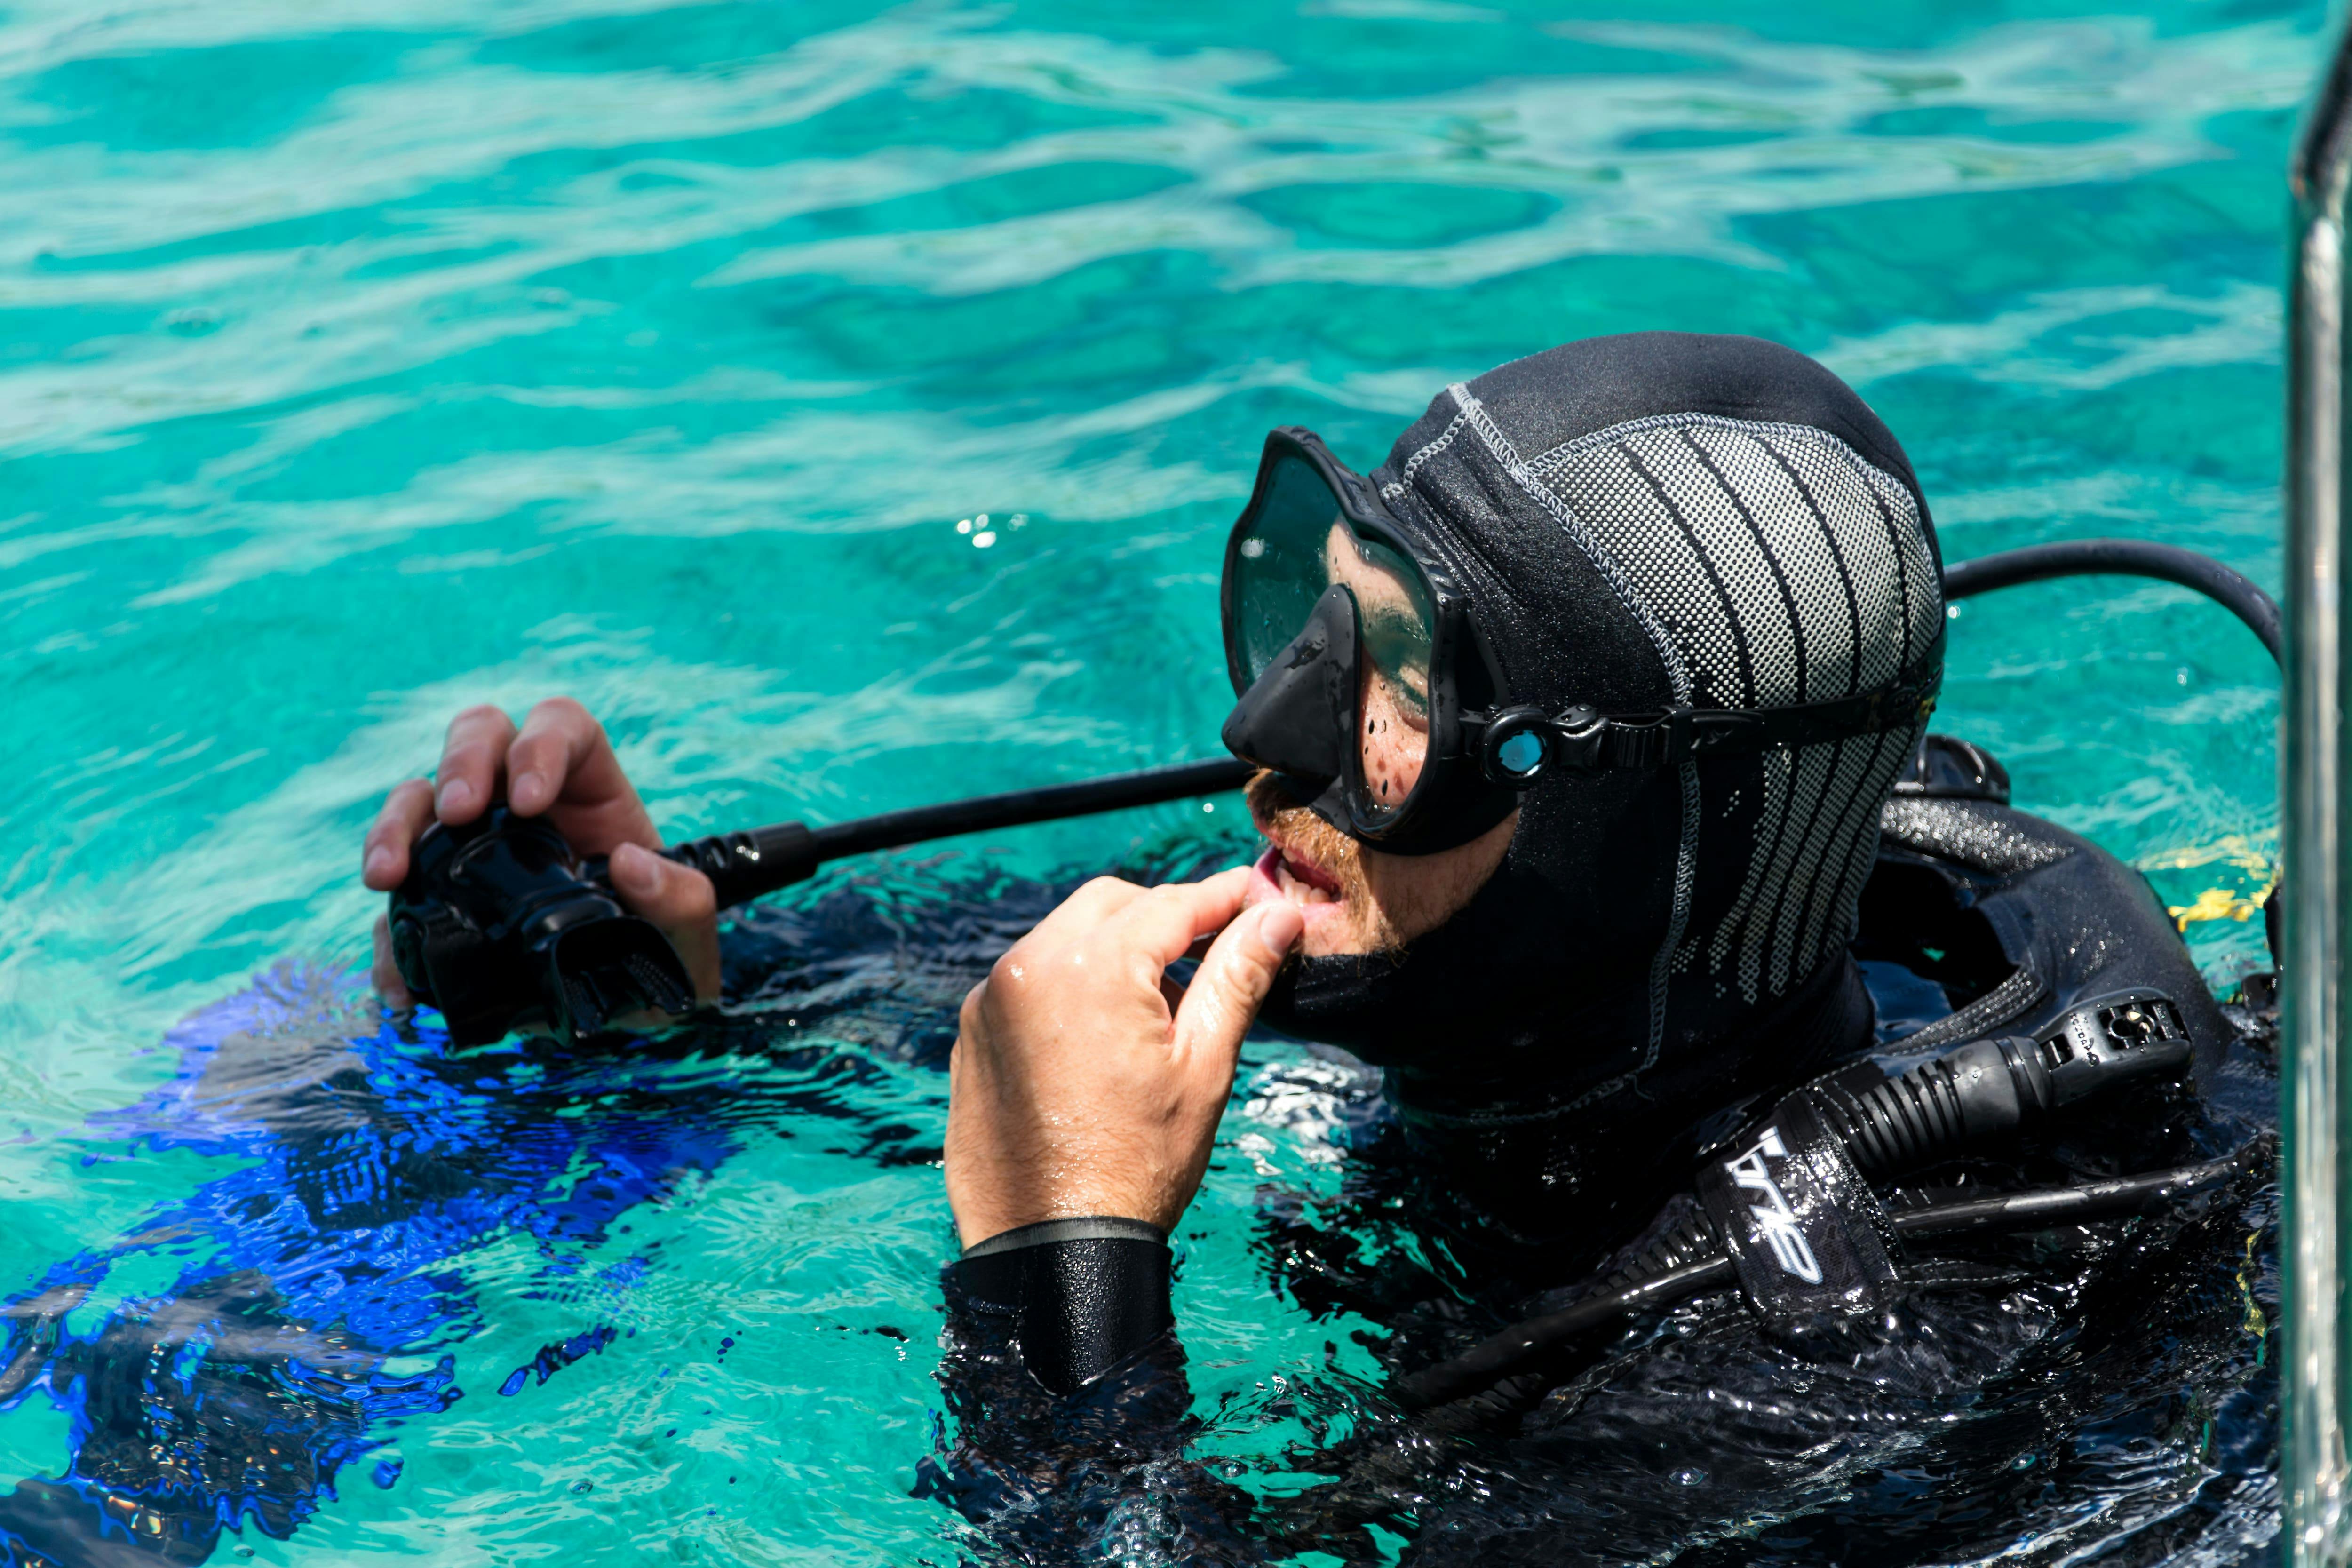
366, 360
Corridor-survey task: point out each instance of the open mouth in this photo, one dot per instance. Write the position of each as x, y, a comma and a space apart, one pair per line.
1299, 881
1291, 868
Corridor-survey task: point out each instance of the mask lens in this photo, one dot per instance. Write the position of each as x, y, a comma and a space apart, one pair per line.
1299, 542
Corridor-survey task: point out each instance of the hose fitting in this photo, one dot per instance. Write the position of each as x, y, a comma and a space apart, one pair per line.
1988, 1087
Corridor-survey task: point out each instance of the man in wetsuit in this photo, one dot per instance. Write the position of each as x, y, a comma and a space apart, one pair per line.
1575, 718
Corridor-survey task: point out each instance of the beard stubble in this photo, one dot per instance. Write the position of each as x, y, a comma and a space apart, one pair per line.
1280, 817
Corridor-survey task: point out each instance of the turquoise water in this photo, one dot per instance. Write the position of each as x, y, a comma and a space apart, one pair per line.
362, 361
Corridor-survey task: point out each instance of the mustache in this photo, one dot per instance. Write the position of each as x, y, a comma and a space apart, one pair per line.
1300, 832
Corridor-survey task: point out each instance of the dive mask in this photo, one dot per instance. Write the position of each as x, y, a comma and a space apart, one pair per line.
1353, 654
1366, 686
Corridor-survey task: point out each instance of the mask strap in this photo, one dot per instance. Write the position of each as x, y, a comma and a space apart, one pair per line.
1516, 746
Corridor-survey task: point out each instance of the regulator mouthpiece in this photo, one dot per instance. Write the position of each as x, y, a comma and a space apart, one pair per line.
501, 928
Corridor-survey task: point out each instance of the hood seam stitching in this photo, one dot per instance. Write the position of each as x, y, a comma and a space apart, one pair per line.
1437, 444
1677, 675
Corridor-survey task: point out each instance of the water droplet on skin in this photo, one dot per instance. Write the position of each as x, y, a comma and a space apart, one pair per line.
1689, 1476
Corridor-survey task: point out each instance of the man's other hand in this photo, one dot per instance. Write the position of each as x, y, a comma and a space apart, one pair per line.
559, 764
1085, 1081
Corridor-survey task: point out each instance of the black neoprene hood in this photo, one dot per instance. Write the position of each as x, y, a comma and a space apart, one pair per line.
1648, 521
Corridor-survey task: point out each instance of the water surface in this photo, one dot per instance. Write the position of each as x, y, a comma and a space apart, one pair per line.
848, 406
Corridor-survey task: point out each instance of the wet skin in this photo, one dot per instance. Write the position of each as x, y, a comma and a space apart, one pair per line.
1355, 899
1084, 1080
559, 764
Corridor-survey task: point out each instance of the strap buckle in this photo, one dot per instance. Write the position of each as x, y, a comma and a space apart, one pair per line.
1583, 740
1578, 737
1651, 740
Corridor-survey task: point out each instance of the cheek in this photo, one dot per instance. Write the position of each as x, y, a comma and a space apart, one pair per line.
1415, 894
1395, 742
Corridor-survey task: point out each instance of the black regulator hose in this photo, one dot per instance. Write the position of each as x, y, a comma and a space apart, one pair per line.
1983, 1090
1492, 1360
1990, 1087
2124, 558
743, 866
542, 908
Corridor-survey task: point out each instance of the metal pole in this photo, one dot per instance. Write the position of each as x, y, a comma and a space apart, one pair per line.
2312, 761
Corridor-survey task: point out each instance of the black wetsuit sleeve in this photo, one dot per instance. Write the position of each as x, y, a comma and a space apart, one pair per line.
1067, 1392
1077, 1296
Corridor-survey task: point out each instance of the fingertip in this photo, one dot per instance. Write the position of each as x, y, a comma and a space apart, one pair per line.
1280, 927
527, 793
380, 870
456, 802
634, 871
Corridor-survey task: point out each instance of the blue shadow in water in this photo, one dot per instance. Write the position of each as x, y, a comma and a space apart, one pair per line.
369, 1161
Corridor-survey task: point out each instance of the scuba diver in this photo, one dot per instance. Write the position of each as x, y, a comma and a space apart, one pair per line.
1592, 758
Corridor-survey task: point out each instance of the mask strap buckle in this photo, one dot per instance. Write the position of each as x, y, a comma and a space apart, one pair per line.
1652, 741
1517, 743
1578, 739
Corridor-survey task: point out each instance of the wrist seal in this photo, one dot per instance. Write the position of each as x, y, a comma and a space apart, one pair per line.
1085, 1294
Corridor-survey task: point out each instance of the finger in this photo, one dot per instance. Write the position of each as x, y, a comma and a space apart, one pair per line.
384, 973
562, 752
383, 853
681, 904
1223, 1000
970, 1028
1166, 922
468, 779
1088, 907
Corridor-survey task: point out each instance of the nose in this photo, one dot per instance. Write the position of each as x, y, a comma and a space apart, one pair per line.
1299, 716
